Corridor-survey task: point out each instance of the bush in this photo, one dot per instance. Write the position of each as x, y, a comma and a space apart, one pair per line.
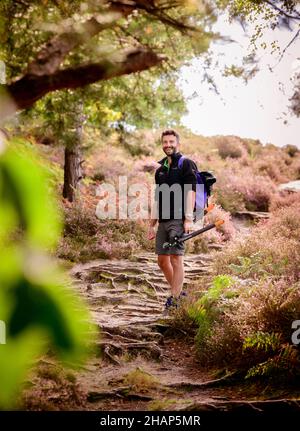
271, 249
229, 146
270, 169
227, 229
253, 146
291, 150
141, 142
248, 324
257, 192
249, 327
214, 236
243, 190
87, 238
284, 199
98, 176
295, 169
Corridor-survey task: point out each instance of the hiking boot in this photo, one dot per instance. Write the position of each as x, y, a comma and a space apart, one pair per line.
170, 304
183, 295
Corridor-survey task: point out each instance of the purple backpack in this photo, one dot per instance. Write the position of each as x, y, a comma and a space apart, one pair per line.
206, 179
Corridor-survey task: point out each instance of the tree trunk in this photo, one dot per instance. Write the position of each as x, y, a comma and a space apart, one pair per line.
72, 167
72, 172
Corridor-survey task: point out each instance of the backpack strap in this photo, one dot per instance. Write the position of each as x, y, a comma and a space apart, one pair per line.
180, 161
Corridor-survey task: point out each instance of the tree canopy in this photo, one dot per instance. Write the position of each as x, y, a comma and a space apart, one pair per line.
57, 45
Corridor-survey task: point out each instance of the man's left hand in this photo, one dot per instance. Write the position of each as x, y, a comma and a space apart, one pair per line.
188, 226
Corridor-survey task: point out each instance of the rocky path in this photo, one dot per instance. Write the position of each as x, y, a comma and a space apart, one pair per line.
127, 301
143, 362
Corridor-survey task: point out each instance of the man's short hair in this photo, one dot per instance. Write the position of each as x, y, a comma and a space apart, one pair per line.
170, 132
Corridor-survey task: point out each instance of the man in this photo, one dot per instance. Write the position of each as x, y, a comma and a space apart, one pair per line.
173, 211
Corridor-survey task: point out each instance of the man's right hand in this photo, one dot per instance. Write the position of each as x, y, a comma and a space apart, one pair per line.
151, 233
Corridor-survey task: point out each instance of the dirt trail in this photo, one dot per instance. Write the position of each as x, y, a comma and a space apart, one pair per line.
127, 302
145, 364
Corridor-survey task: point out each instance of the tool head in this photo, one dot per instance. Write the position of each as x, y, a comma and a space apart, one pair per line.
219, 222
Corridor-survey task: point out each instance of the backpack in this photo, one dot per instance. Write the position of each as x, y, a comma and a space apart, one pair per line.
207, 179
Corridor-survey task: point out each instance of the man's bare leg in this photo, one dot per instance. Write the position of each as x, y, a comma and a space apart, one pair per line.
164, 262
178, 274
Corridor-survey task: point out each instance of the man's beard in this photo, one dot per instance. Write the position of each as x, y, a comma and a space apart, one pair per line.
169, 153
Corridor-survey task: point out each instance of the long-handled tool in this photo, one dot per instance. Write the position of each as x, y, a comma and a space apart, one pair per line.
176, 240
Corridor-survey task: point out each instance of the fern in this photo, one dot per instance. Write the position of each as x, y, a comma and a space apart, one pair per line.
268, 342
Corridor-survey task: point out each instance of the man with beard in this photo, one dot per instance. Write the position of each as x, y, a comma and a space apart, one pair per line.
174, 210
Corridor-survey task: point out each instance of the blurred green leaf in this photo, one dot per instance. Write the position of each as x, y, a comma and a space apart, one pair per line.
26, 199
37, 301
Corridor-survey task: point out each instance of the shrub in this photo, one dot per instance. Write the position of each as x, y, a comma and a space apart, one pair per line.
250, 329
291, 150
98, 176
141, 142
284, 199
214, 236
253, 146
86, 237
229, 146
270, 169
230, 200
295, 169
272, 248
243, 190
227, 230
248, 325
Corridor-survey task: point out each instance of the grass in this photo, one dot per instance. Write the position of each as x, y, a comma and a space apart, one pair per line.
162, 404
140, 380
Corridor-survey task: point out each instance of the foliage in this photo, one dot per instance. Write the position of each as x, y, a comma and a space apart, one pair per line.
272, 247
292, 150
51, 388
251, 330
86, 237
266, 14
150, 99
37, 302
229, 147
140, 143
140, 380
204, 311
237, 190
284, 199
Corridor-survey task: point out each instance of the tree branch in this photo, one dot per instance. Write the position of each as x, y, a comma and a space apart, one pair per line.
296, 35
54, 52
282, 12
30, 88
56, 49
156, 11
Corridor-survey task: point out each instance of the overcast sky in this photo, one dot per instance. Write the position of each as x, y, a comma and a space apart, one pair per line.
256, 110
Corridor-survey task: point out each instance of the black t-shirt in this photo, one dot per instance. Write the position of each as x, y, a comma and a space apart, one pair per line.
172, 184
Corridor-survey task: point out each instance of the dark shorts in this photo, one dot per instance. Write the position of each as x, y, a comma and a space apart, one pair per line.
165, 232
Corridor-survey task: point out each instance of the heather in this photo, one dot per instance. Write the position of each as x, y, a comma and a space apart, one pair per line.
245, 312
245, 183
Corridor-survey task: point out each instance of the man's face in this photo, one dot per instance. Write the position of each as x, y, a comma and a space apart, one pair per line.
170, 144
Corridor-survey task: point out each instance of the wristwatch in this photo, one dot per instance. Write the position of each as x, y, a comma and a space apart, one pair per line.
189, 217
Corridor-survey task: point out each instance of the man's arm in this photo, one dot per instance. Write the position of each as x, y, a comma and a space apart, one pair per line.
190, 179
153, 215
190, 205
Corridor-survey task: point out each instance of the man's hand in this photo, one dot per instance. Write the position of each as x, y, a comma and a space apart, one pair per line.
151, 233
188, 226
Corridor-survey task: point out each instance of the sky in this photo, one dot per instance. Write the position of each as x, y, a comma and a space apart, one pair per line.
256, 110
